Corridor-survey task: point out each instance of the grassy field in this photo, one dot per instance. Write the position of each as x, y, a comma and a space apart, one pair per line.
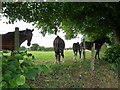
73, 74
50, 55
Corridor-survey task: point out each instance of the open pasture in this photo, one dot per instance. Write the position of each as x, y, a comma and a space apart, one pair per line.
50, 55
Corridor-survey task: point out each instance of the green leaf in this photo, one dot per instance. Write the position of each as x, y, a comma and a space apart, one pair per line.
13, 83
7, 77
12, 68
20, 80
15, 63
27, 63
25, 69
31, 75
3, 84
18, 56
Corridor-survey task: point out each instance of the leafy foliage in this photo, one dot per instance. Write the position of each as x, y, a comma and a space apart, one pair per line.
15, 72
113, 54
72, 18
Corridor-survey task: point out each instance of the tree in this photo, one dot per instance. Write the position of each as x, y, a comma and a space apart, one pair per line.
92, 19
34, 47
41, 48
22, 48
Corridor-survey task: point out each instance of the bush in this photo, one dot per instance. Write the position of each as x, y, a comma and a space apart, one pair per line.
112, 54
15, 73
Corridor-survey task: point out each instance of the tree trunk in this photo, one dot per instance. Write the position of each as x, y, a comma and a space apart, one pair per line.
117, 36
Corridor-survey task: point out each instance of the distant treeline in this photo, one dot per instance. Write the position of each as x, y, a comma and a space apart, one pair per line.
36, 47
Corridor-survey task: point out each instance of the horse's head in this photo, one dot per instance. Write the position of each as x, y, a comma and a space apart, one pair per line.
28, 36
107, 40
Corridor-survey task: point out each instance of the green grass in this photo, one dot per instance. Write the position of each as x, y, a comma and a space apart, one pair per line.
73, 74
78, 75
50, 55
43, 56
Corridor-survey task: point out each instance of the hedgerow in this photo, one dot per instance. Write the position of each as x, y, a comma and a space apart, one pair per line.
112, 54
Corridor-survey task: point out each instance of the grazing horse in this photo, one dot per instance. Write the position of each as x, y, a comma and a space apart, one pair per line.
59, 46
98, 45
8, 39
76, 48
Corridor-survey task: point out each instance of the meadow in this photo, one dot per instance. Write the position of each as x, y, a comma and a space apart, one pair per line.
74, 74
71, 73
50, 55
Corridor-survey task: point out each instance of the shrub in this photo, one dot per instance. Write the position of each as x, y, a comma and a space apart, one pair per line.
15, 73
112, 54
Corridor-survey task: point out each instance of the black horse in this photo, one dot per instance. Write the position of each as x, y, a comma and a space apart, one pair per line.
98, 45
76, 48
8, 39
59, 46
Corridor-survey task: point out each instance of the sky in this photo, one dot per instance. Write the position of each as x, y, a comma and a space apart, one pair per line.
46, 41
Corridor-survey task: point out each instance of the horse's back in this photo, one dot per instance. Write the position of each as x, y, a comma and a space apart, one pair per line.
88, 45
8, 41
58, 43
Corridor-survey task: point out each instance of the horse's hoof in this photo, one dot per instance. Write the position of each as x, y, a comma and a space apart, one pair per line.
55, 62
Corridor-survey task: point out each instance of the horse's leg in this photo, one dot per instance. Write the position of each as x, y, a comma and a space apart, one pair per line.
98, 54
62, 54
55, 57
79, 53
58, 58
75, 55
84, 54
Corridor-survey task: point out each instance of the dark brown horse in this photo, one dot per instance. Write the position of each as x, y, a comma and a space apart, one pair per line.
8, 39
76, 48
98, 45
59, 46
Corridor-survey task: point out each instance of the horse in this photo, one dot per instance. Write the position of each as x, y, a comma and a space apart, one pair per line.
59, 46
98, 45
76, 48
8, 39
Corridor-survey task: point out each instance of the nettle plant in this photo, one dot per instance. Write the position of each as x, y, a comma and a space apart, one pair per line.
112, 54
16, 70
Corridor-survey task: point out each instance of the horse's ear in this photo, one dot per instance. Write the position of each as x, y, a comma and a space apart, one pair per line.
27, 29
32, 30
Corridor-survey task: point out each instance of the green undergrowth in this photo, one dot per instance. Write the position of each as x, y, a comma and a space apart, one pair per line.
17, 69
112, 54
